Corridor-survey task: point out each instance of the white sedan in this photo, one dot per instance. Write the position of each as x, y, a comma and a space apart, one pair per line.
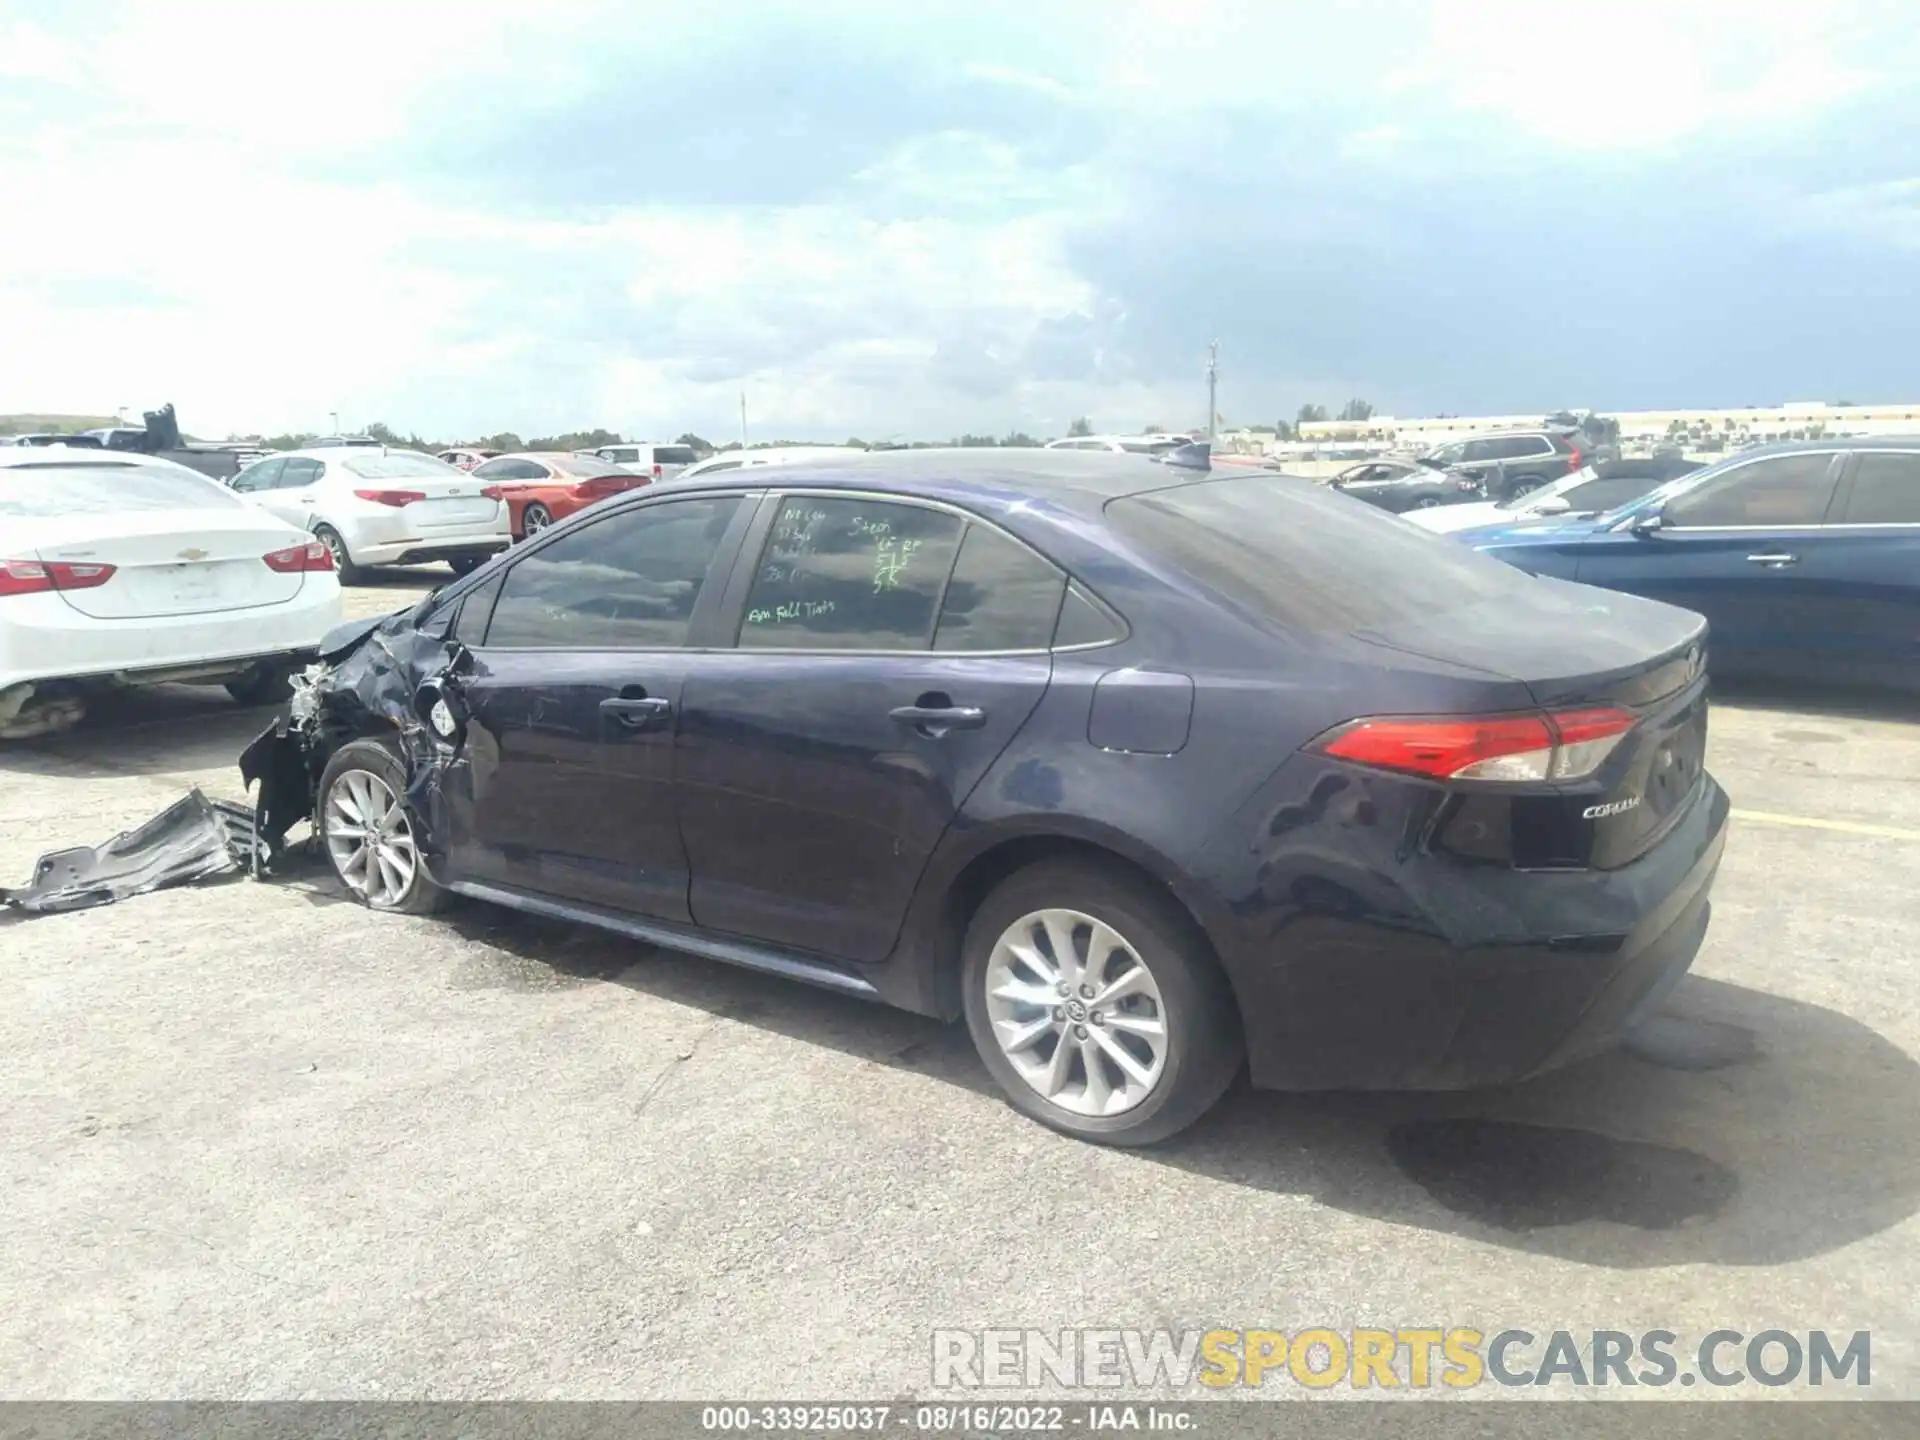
374, 506
123, 569
773, 455
1591, 491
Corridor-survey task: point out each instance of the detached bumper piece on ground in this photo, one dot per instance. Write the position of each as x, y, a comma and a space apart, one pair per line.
192, 839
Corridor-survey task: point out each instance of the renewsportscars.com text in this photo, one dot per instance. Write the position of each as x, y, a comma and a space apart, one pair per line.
1409, 1357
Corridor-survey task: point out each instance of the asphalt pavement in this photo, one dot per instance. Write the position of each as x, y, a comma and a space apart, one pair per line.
260, 1142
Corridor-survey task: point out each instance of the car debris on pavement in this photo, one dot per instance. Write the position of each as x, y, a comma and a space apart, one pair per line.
192, 839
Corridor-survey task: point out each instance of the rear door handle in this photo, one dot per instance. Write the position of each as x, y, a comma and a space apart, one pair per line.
938, 719
1774, 560
636, 712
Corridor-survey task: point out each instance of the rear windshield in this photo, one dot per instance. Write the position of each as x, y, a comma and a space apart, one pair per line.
36, 491
1291, 552
587, 465
674, 455
394, 467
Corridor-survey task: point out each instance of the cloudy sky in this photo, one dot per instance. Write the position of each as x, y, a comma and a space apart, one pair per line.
910, 220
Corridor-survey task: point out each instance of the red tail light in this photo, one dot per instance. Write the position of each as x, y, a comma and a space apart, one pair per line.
656, 472
395, 498
493, 492
1518, 749
295, 558
36, 577
1573, 460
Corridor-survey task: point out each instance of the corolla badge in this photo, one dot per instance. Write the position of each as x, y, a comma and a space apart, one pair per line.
1617, 807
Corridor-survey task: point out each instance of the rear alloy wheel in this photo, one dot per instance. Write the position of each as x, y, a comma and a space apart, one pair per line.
369, 834
535, 518
343, 565
1096, 1005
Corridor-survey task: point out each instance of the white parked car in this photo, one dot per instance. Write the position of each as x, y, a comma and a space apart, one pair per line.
657, 461
1590, 491
380, 507
123, 569
1123, 444
773, 455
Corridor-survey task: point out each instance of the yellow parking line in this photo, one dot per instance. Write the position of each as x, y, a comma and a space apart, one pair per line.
1845, 827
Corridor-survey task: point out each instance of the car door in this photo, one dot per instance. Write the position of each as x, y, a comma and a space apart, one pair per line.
887, 652
1739, 549
567, 785
1868, 561
283, 497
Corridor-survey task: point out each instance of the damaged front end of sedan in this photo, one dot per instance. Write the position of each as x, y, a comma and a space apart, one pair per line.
387, 680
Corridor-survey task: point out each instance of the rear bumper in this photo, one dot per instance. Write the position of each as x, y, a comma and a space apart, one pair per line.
51, 641
1356, 1004
412, 552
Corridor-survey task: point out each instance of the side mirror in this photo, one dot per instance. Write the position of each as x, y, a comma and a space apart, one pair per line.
440, 708
1647, 524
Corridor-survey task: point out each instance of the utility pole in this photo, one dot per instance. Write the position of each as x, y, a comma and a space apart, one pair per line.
743, 419
1213, 387
334, 415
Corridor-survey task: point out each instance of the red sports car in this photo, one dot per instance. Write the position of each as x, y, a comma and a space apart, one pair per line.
540, 487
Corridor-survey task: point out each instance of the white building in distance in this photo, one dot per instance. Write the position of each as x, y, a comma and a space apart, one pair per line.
1801, 420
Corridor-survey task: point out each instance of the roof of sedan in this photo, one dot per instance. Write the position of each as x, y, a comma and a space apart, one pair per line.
1078, 479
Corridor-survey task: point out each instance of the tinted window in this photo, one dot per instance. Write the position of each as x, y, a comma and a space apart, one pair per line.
1607, 491
103, 488
628, 582
1298, 555
1786, 490
850, 575
1519, 447
587, 466
1002, 596
298, 471
510, 469
1477, 450
1082, 622
263, 476
396, 466
476, 608
674, 455
1886, 491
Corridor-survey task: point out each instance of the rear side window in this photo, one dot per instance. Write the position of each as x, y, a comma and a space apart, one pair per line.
1308, 559
1886, 491
1002, 596
1082, 622
1783, 490
36, 491
850, 575
674, 455
628, 582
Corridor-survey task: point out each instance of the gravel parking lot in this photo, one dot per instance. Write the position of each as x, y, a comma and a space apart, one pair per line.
260, 1142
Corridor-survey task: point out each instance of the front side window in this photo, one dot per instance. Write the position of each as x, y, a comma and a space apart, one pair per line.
1002, 596
298, 471
263, 476
628, 582
1886, 490
848, 574
1783, 490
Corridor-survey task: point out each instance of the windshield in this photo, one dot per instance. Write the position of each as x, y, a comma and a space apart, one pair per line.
396, 466
34, 492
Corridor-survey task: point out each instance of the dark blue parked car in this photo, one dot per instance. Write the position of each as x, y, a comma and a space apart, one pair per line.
1140, 771
1804, 558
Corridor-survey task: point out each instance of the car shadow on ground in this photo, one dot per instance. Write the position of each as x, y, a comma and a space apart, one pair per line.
1739, 1128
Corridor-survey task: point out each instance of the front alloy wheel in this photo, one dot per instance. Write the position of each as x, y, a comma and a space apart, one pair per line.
1076, 1012
369, 833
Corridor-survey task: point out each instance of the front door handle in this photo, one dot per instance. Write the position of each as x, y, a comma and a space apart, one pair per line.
936, 720
1774, 560
636, 712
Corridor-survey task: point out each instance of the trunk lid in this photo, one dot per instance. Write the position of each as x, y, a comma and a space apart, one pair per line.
1582, 648
184, 562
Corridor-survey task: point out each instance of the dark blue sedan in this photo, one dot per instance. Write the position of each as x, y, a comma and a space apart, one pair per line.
1142, 772
1804, 558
